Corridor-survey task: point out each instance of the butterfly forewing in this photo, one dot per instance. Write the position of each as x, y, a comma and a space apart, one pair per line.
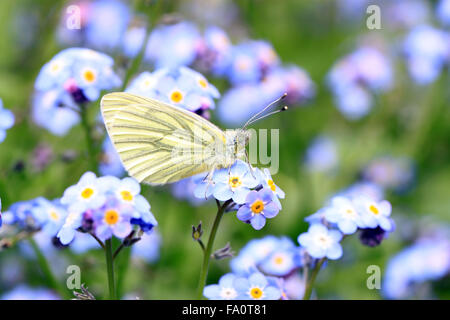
159, 143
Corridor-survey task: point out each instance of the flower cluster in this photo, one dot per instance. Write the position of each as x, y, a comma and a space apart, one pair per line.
426, 260
182, 87
6, 121
355, 77
71, 78
94, 27
263, 270
255, 195
105, 207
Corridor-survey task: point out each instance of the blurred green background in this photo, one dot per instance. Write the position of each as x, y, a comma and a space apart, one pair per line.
408, 121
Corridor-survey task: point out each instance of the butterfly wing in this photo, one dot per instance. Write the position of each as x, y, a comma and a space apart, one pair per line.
159, 143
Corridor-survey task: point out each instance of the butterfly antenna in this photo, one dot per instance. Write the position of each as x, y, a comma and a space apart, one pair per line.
284, 108
255, 118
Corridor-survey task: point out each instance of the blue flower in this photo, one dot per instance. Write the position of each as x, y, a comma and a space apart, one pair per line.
192, 189
107, 23
283, 260
55, 111
88, 193
443, 12
55, 213
26, 215
172, 46
224, 290
321, 242
374, 213
321, 155
258, 207
146, 84
215, 52
110, 163
426, 50
426, 260
344, 214
112, 219
235, 184
148, 247
256, 287
6, 121
24, 292
267, 182
244, 66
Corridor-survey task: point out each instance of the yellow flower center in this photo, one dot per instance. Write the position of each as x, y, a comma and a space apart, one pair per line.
374, 209
272, 185
235, 182
203, 83
176, 96
111, 216
55, 67
126, 195
278, 260
54, 215
89, 76
87, 193
257, 206
256, 293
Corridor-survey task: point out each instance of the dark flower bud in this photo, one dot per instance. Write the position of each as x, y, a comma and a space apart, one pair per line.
223, 253
372, 237
197, 232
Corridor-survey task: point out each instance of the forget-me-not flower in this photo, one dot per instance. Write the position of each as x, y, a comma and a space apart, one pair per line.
258, 207
256, 287
321, 242
224, 290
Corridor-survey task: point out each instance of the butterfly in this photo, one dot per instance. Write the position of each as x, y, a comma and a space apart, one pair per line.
159, 143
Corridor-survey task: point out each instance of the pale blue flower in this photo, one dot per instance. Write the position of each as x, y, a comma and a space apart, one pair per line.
374, 213
235, 184
6, 121
148, 247
344, 214
224, 290
215, 53
258, 207
321, 242
112, 219
443, 12
172, 46
110, 163
24, 292
256, 287
88, 193
283, 260
321, 155
427, 50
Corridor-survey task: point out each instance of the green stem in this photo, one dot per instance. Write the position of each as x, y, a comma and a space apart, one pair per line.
110, 269
209, 246
46, 269
312, 279
89, 140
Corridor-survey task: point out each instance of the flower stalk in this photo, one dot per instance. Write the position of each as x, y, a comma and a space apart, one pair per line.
110, 269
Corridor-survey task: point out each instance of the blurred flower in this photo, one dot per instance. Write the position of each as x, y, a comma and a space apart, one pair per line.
42, 156
343, 212
321, 155
234, 183
110, 163
192, 189
224, 290
367, 189
353, 78
426, 260
390, 173
55, 111
321, 242
214, 55
24, 292
258, 207
182, 87
443, 12
26, 215
272, 255
102, 24
82, 243
172, 46
256, 287
148, 247
6, 121
427, 50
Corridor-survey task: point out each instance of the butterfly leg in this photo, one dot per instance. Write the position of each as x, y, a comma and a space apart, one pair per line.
209, 179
